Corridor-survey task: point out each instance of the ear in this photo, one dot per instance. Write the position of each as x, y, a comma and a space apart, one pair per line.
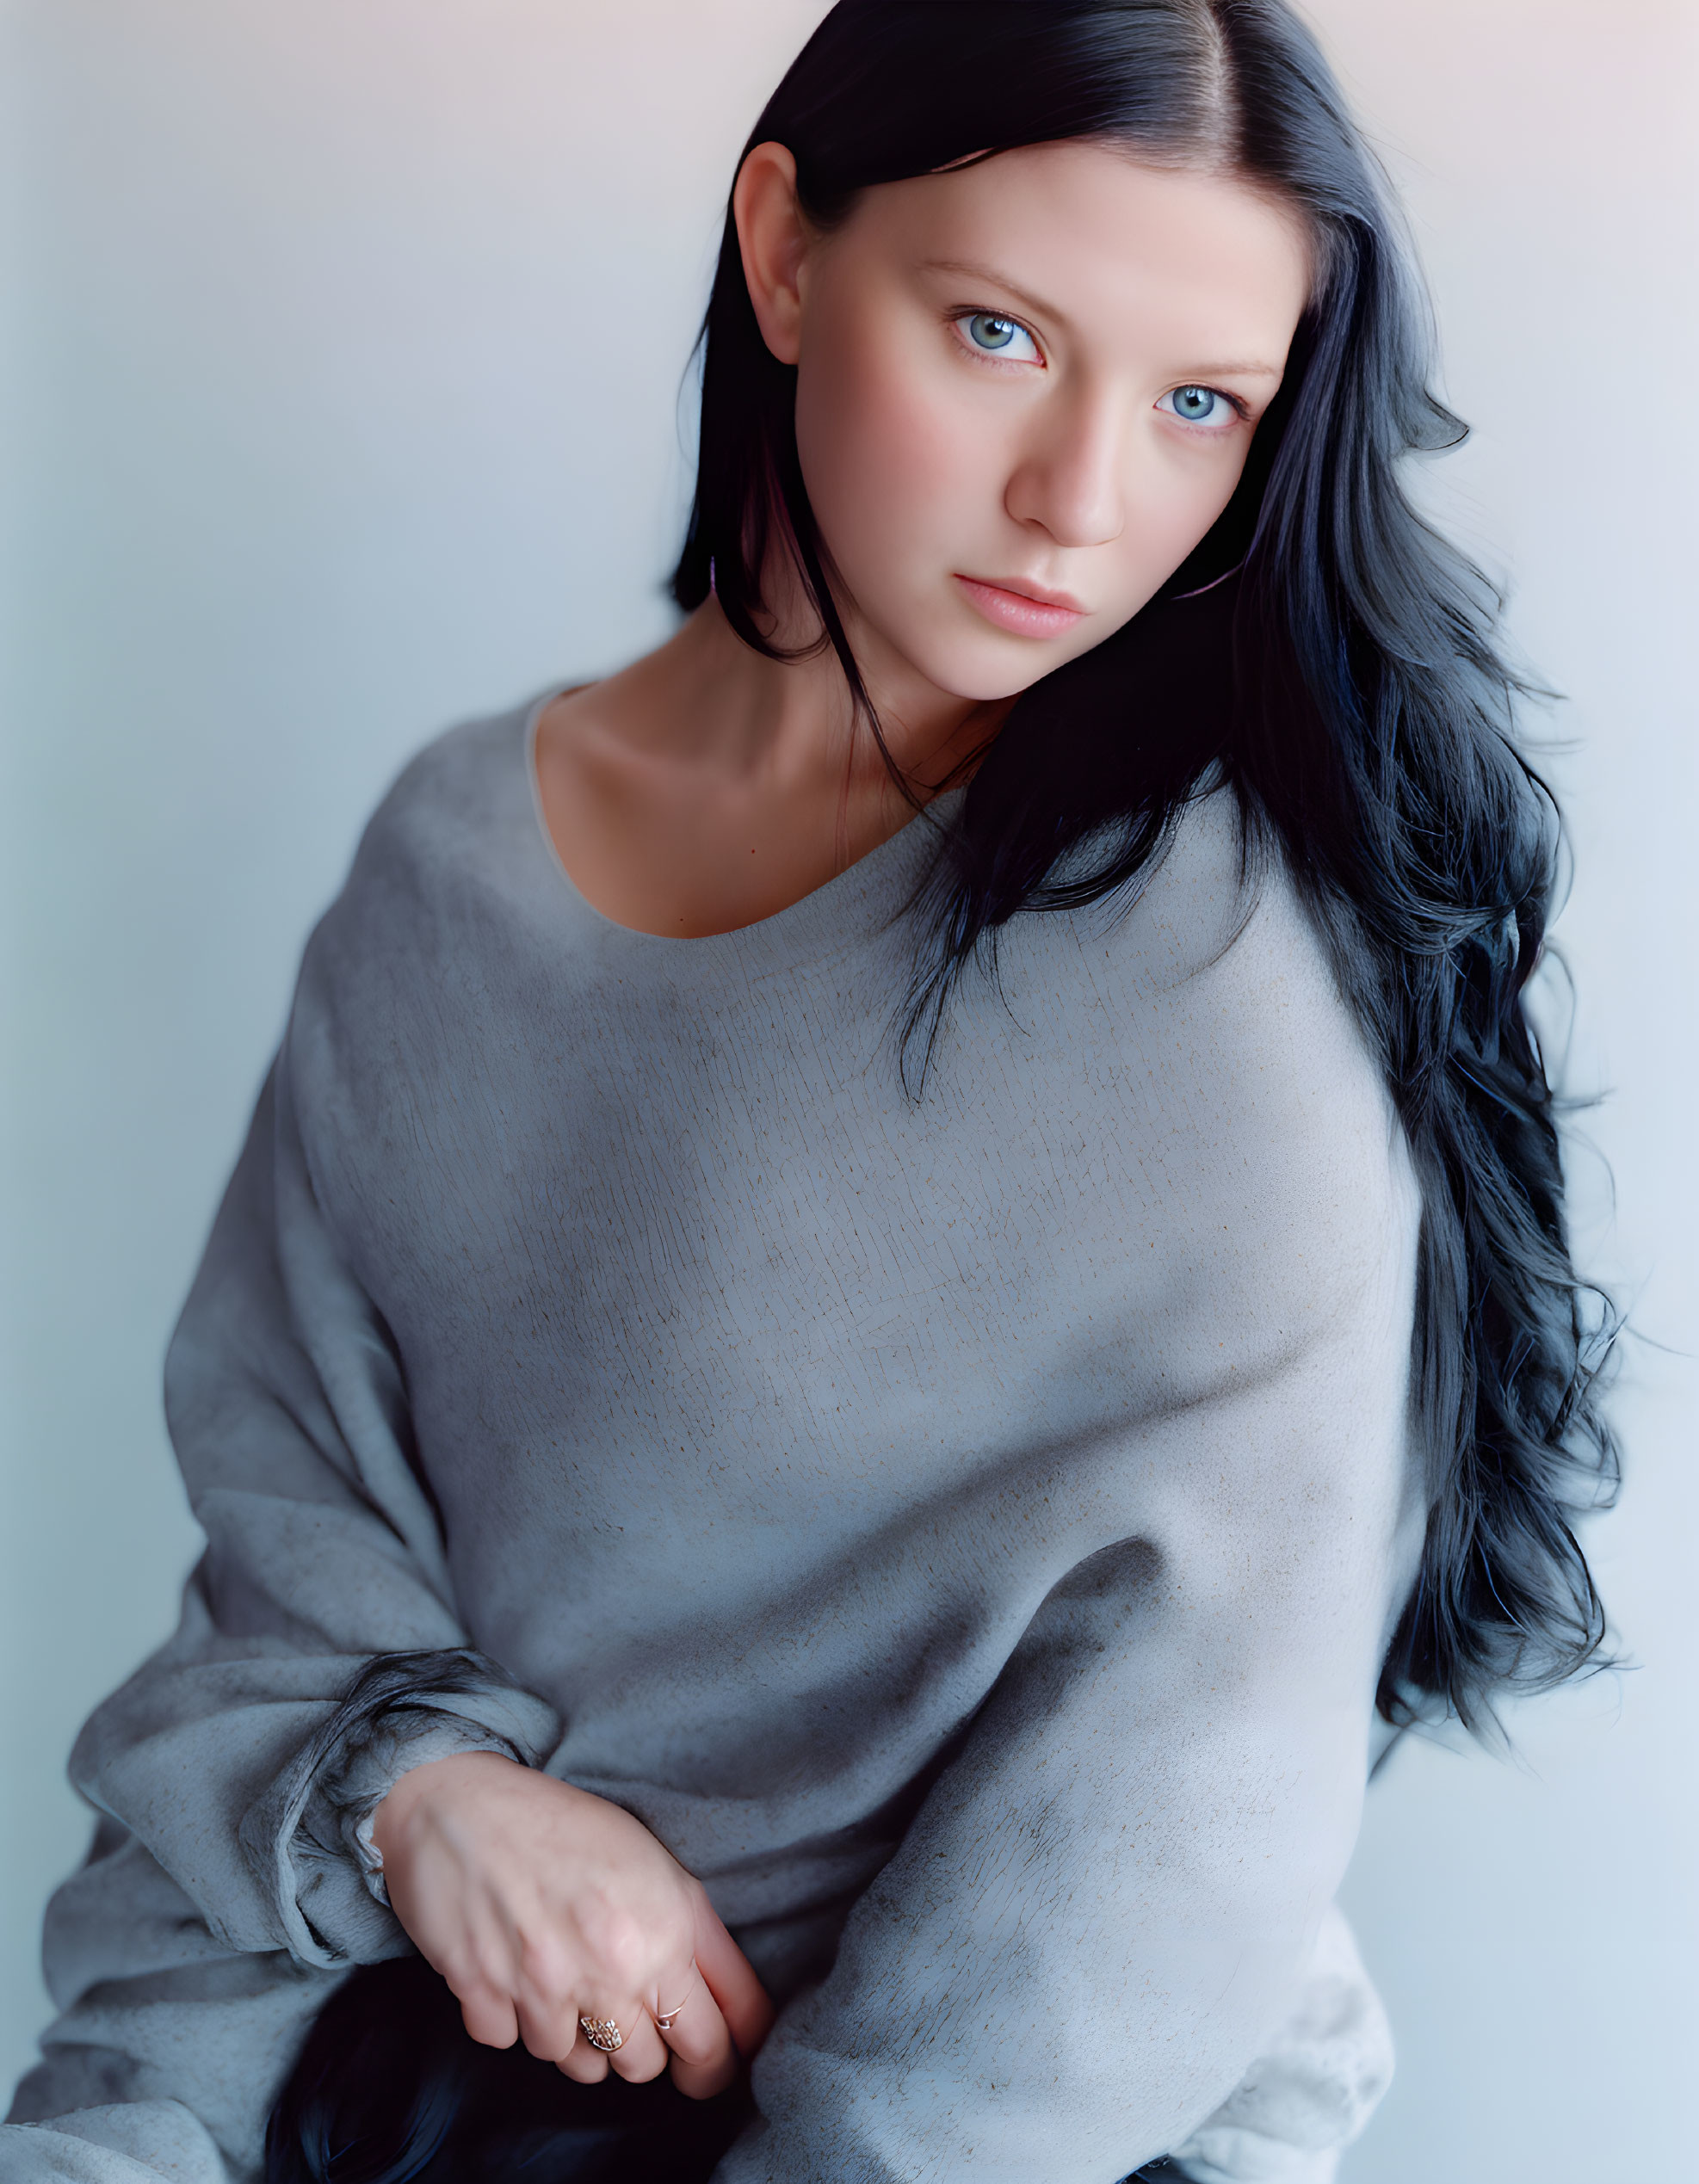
773, 237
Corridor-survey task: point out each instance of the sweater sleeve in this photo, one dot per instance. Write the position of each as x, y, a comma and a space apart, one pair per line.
169, 2046
319, 1653
1098, 1919
1313, 2088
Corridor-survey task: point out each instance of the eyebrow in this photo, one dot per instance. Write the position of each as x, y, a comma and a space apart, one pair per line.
1252, 369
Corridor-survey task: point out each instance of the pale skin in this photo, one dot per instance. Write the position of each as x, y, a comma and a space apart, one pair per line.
1026, 389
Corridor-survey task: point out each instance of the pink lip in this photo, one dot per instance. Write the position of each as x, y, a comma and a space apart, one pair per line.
1028, 610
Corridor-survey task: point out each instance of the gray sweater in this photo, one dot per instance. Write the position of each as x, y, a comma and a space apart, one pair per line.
966, 1531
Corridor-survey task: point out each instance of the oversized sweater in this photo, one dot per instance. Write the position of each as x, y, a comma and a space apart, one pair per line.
967, 1529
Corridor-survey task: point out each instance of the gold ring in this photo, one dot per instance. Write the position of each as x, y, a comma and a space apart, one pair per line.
604, 2033
664, 2017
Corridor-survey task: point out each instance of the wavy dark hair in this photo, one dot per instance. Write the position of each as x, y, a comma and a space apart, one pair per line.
1324, 652
1332, 659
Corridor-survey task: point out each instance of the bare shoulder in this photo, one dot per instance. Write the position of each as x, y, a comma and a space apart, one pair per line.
576, 726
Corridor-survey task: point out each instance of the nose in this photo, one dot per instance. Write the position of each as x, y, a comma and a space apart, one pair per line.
1068, 480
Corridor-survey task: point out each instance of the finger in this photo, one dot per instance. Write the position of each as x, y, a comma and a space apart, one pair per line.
543, 1994
488, 2014
704, 2059
582, 2064
594, 2058
643, 2054
694, 2030
547, 2024
731, 1979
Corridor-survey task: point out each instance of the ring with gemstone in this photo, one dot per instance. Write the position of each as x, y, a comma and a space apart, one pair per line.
602, 2034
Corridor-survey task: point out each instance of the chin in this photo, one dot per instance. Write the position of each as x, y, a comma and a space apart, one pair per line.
983, 672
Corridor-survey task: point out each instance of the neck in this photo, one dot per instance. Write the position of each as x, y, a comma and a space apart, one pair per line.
708, 784
792, 721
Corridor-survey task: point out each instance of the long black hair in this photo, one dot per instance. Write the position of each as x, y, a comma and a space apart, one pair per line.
1324, 652
1328, 656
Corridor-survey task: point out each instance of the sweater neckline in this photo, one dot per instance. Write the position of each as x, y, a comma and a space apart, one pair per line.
854, 904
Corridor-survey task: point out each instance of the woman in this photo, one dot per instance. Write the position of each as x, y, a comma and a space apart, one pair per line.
899, 1262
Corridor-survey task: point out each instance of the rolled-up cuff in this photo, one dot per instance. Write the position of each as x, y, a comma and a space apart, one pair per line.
1303, 2100
340, 1812
310, 1836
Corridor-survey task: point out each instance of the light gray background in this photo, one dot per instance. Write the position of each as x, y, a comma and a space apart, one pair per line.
344, 344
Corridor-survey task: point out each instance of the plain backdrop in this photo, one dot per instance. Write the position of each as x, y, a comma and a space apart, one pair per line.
345, 349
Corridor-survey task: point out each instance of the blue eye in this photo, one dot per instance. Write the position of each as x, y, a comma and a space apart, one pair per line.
998, 336
1199, 405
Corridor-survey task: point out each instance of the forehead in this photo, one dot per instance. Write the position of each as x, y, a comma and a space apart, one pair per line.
1101, 236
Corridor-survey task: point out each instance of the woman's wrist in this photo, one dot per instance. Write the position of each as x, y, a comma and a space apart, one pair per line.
428, 1785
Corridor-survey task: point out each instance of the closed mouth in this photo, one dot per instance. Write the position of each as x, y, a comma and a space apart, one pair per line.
1038, 593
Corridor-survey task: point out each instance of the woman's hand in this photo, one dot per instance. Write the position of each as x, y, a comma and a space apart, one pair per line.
539, 1904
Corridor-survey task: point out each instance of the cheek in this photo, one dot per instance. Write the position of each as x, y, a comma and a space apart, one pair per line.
1204, 497
1171, 505
889, 467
